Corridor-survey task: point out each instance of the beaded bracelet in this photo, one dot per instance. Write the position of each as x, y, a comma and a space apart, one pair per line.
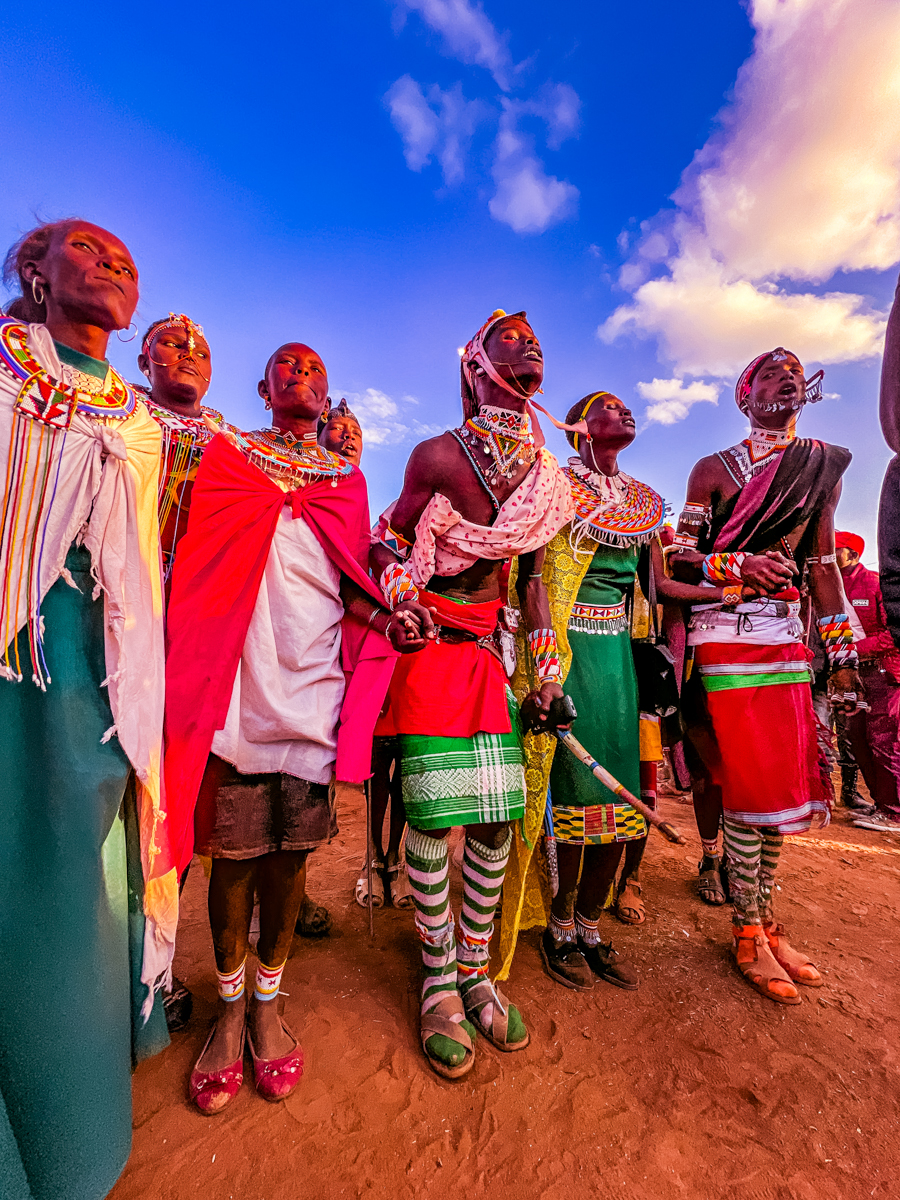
397, 585
731, 594
837, 637
545, 652
723, 568
394, 541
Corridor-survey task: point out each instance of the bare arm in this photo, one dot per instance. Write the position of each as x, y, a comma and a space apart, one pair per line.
535, 615
890, 378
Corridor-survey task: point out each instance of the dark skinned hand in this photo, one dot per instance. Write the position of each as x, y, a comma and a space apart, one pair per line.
536, 705
845, 682
410, 627
767, 573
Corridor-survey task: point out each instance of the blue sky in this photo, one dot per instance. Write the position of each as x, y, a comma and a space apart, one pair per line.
375, 178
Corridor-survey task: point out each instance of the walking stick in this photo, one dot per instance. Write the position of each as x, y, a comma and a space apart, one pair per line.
367, 790
650, 816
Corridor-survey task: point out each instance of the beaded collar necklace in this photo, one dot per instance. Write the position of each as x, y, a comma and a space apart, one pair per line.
763, 442
198, 427
297, 461
51, 400
614, 510
504, 436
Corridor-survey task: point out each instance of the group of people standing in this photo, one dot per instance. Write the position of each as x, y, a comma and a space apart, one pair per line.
202, 632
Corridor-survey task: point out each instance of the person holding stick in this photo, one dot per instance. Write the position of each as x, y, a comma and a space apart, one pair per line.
589, 568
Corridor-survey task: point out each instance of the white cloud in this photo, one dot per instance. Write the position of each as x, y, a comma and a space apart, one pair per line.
435, 123
384, 421
527, 198
468, 34
672, 399
801, 181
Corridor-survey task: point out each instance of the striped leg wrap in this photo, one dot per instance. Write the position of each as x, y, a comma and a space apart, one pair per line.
772, 842
743, 851
231, 983
483, 872
428, 864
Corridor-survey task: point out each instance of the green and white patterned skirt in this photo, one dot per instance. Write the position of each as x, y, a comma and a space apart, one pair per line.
474, 780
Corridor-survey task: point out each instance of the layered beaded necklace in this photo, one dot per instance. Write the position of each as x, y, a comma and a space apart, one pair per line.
755, 452
614, 510
297, 461
502, 435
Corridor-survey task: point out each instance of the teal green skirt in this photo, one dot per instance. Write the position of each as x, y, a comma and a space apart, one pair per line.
71, 924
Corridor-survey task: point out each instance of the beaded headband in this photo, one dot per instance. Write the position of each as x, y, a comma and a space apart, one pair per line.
175, 319
813, 390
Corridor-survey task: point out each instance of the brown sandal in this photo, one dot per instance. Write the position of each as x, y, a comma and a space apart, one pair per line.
437, 1021
759, 967
476, 999
800, 968
632, 912
709, 881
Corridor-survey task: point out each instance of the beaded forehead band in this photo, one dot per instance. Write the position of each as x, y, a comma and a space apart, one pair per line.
174, 321
812, 392
476, 355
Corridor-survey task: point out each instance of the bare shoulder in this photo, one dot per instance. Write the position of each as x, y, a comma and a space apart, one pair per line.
706, 478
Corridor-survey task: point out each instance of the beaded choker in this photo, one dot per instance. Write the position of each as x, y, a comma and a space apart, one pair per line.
504, 436
296, 461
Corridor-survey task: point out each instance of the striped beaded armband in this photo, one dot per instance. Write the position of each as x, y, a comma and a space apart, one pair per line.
684, 541
723, 568
397, 585
837, 637
394, 541
545, 652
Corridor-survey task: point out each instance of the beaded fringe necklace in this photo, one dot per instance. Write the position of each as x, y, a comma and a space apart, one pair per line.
614, 510
297, 461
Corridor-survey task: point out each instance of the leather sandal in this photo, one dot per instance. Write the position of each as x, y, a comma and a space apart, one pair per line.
362, 886
630, 910
800, 968
398, 885
475, 999
437, 1021
709, 882
759, 967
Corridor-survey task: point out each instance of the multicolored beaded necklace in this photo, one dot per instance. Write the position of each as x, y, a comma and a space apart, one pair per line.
53, 401
296, 461
614, 510
755, 453
503, 435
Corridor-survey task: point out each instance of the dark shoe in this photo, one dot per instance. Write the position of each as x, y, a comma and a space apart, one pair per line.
850, 797
566, 964
605, 962
314, 920
178, 1004
878, 821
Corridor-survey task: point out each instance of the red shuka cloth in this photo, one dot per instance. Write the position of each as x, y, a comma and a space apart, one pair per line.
215, 582
452, 689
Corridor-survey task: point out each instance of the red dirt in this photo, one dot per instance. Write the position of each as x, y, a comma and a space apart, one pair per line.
693, 1086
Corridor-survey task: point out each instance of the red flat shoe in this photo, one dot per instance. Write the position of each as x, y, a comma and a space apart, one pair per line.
212, 1090
276, 1078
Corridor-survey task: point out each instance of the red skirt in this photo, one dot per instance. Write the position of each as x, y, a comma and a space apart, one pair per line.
449, 689
760, 747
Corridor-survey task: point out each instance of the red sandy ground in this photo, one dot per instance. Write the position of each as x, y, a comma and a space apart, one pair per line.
693, 1086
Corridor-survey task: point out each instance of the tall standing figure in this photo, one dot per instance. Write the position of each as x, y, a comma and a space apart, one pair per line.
82, 864
759, 521
276, 549
472, 499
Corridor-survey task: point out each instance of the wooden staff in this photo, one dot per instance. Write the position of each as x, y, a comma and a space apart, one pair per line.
368, 791
650, 816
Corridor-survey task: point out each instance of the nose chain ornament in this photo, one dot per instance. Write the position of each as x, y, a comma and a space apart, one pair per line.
175, 321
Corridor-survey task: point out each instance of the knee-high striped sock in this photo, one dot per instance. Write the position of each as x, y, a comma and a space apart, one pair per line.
772, 842
483, 872
743, 851
428, 865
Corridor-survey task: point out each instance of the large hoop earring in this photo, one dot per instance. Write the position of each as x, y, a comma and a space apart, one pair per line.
128, 339
35, 288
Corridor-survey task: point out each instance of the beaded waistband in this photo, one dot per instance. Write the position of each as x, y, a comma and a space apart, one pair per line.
597, 618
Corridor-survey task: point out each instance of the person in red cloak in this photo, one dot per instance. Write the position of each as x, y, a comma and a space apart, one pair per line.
273, 562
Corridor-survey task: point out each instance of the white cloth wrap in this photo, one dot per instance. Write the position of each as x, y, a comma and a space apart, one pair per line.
536, 511
288, 690
106, 496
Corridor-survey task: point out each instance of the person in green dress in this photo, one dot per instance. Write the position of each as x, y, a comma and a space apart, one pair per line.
589, 570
